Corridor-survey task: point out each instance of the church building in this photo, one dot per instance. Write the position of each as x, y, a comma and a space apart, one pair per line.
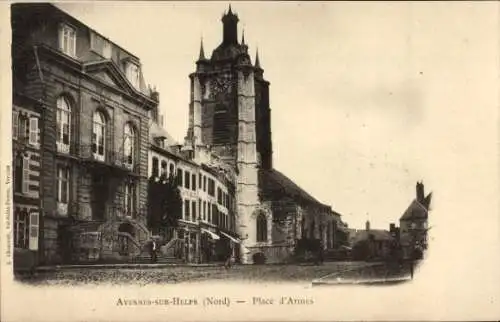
230, 115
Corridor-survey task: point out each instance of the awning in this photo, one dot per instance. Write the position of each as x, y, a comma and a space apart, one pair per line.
213, 235
231, 238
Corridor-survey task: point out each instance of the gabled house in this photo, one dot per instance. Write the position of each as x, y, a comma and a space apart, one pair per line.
414, 223
372, 244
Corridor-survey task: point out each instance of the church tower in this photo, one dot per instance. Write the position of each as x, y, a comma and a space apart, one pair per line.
229, 112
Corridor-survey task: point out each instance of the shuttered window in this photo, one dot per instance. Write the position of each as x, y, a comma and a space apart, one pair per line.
15, 124
26, 174
21, 228
33, 131
33, 232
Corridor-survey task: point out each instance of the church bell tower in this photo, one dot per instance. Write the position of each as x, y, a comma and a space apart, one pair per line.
229, 112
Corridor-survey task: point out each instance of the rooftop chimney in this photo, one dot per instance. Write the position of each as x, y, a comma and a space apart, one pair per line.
420, 192
367, 225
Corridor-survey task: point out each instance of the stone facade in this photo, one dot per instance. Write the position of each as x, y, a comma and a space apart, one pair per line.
77, 75
26, 171
230, 113
208, 199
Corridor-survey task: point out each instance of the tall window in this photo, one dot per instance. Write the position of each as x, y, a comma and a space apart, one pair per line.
25, 128
193, 210
187, 211
219, 196
130, 199
129, 144
164, 168
99, 136
171, 170
63, 126
187, 180
211, 187
62, 184
15, 124
21, 228
215, 215
179, 177
261, 228
193, 181
155, 169
67, 40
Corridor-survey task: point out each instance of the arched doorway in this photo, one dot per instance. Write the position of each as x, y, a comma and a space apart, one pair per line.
126, 231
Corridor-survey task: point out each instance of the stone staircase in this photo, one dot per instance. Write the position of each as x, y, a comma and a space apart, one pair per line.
165, 255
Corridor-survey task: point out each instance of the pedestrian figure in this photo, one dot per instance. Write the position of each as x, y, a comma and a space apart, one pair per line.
229, 260
153, 250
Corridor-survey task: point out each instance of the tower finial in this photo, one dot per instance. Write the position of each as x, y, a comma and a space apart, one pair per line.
202, 51
243, 37
229, 12
257, 61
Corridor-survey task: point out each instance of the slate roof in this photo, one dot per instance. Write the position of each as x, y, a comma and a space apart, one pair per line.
378, 234
415, 211
274, 185
157, 131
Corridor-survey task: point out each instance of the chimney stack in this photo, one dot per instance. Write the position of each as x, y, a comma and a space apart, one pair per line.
420, 192
367, 225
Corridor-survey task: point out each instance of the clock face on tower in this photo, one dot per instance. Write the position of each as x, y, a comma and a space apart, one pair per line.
220, 84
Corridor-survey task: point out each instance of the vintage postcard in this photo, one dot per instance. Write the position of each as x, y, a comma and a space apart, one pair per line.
250, 161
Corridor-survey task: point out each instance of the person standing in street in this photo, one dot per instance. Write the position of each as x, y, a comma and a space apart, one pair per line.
153, 250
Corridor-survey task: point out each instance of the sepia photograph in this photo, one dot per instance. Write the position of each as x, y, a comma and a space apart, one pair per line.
314, 144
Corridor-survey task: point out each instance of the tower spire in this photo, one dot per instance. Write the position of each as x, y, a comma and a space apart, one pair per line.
257, 61
229, 12
202, 51
243, 36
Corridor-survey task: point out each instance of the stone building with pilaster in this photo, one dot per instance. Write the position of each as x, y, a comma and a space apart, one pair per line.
94, 135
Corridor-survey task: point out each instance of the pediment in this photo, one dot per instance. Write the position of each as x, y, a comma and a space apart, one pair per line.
107, 78
109, 73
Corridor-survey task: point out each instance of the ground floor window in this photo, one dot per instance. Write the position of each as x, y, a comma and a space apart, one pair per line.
21, 228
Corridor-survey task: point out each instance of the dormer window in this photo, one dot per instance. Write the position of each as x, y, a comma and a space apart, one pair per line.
67, 40
160, 141
133, 74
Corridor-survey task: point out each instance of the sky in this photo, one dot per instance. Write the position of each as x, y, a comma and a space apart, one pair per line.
366, 98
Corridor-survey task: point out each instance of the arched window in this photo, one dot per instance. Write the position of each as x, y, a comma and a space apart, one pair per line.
164, 169
63, 125
129, 144
171, 170
155, 169
99, 136
261, 228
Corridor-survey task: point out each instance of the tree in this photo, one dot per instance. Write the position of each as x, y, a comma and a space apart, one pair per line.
164, 203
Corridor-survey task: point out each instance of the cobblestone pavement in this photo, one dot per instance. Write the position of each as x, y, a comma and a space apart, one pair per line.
190, 274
